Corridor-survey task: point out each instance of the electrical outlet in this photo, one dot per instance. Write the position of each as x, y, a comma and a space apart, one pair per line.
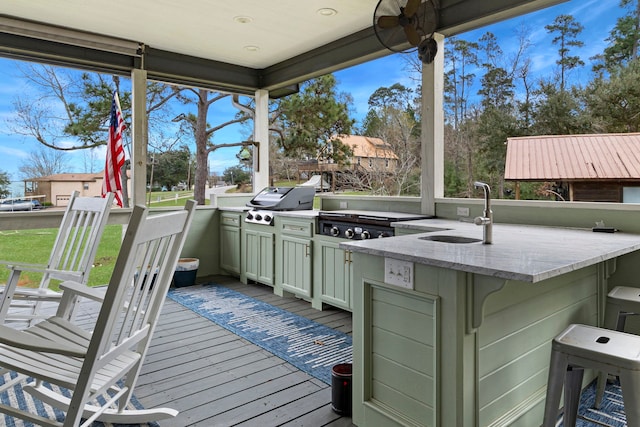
460, 211
343, 205
398, 273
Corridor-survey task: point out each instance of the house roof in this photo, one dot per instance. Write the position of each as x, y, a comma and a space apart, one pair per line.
573, 157
70, 177
238, 46
364, 146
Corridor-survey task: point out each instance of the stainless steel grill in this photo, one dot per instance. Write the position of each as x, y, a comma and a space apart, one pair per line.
361, 225
278, 199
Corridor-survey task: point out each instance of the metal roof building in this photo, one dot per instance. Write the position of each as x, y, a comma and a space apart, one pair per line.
599, 167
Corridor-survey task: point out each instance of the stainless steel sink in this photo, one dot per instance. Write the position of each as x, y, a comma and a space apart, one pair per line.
450, 239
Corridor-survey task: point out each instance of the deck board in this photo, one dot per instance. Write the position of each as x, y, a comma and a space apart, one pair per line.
215, 378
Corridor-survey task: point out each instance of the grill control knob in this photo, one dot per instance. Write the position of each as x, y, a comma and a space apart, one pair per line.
383, 234
267, 218
365, 235
335, 231
349, 233
258, 217
249, 215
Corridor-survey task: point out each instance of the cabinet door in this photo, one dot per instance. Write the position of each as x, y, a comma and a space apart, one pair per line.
251, 258
296, 265
257, 257
265, 258
334, 274
230, 249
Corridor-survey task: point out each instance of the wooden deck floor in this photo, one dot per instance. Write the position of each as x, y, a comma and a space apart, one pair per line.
215, 378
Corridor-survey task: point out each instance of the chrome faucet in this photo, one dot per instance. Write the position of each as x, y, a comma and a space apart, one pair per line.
486, 219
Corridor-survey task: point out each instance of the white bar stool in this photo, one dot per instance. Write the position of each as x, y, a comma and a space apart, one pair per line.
580, 347
622, 301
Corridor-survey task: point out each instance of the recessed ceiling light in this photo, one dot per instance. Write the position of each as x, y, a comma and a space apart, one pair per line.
243, 19
327, 11
251, 48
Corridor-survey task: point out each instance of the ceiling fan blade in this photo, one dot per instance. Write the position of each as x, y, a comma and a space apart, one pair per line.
411, 8
388, 21
412, 35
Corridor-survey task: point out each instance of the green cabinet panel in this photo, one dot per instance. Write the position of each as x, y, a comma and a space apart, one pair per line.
230, 223
257, 256
332, 273
419, 362
294, 256
295, 268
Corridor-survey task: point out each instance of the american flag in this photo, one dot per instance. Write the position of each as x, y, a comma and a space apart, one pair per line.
112, 182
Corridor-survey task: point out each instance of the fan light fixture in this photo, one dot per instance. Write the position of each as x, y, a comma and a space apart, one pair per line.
251, 48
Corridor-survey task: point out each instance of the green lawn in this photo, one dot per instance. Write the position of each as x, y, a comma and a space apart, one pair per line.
34, 246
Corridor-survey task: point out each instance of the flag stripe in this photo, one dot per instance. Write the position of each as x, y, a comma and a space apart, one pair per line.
112, 182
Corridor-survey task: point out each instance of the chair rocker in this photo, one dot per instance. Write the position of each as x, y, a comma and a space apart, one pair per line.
71, 258
104, 363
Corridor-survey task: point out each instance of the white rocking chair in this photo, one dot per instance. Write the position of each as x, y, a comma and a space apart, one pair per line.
71, 258
109, 358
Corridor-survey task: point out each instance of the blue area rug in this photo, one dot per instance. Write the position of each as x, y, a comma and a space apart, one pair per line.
611, 412
17, 398
307, 345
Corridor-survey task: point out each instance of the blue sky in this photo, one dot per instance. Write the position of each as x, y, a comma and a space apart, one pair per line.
597, 16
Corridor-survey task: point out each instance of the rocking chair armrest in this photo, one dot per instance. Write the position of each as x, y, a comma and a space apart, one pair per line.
24, 340
83, 290
39, 268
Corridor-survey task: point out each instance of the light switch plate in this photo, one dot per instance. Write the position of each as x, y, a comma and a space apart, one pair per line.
398, 273
343, 205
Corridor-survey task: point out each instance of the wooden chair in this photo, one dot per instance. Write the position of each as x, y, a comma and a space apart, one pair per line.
71, 258
109, 358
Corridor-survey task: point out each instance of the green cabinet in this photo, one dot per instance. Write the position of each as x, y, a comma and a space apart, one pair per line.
332, 273
257, 254
294, 256
230, 225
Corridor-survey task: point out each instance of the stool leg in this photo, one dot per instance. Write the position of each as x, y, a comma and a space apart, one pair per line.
630, 383
602, 383
572, 390
612, 317
557, 369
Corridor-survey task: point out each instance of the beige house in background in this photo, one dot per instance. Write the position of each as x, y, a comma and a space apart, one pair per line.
57, 188
372, 154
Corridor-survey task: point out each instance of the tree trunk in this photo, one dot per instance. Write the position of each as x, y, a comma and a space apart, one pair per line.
200, 181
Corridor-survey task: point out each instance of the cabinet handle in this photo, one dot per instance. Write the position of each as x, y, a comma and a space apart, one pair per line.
306, 251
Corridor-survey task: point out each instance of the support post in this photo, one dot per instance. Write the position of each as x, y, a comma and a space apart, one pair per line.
261, 135
432, 148
138, 136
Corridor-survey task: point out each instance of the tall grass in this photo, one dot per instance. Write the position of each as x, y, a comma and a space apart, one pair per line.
34, 247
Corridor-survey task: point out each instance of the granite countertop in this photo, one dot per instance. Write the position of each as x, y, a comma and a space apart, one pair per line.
518, 252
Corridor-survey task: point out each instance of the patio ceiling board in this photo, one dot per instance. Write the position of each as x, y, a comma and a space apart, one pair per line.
573, 157
202, 43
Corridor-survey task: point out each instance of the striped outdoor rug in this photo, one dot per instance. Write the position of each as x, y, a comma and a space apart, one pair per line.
611, 412
307, 345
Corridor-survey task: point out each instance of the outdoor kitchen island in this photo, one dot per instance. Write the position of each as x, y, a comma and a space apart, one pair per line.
458, 334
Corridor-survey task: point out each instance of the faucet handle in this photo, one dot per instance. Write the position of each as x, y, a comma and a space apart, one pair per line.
481, 220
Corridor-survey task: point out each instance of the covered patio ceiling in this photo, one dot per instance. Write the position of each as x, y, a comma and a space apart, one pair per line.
238, 46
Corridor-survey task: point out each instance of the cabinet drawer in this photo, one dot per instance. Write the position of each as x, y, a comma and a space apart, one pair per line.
233, 219
296, 228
